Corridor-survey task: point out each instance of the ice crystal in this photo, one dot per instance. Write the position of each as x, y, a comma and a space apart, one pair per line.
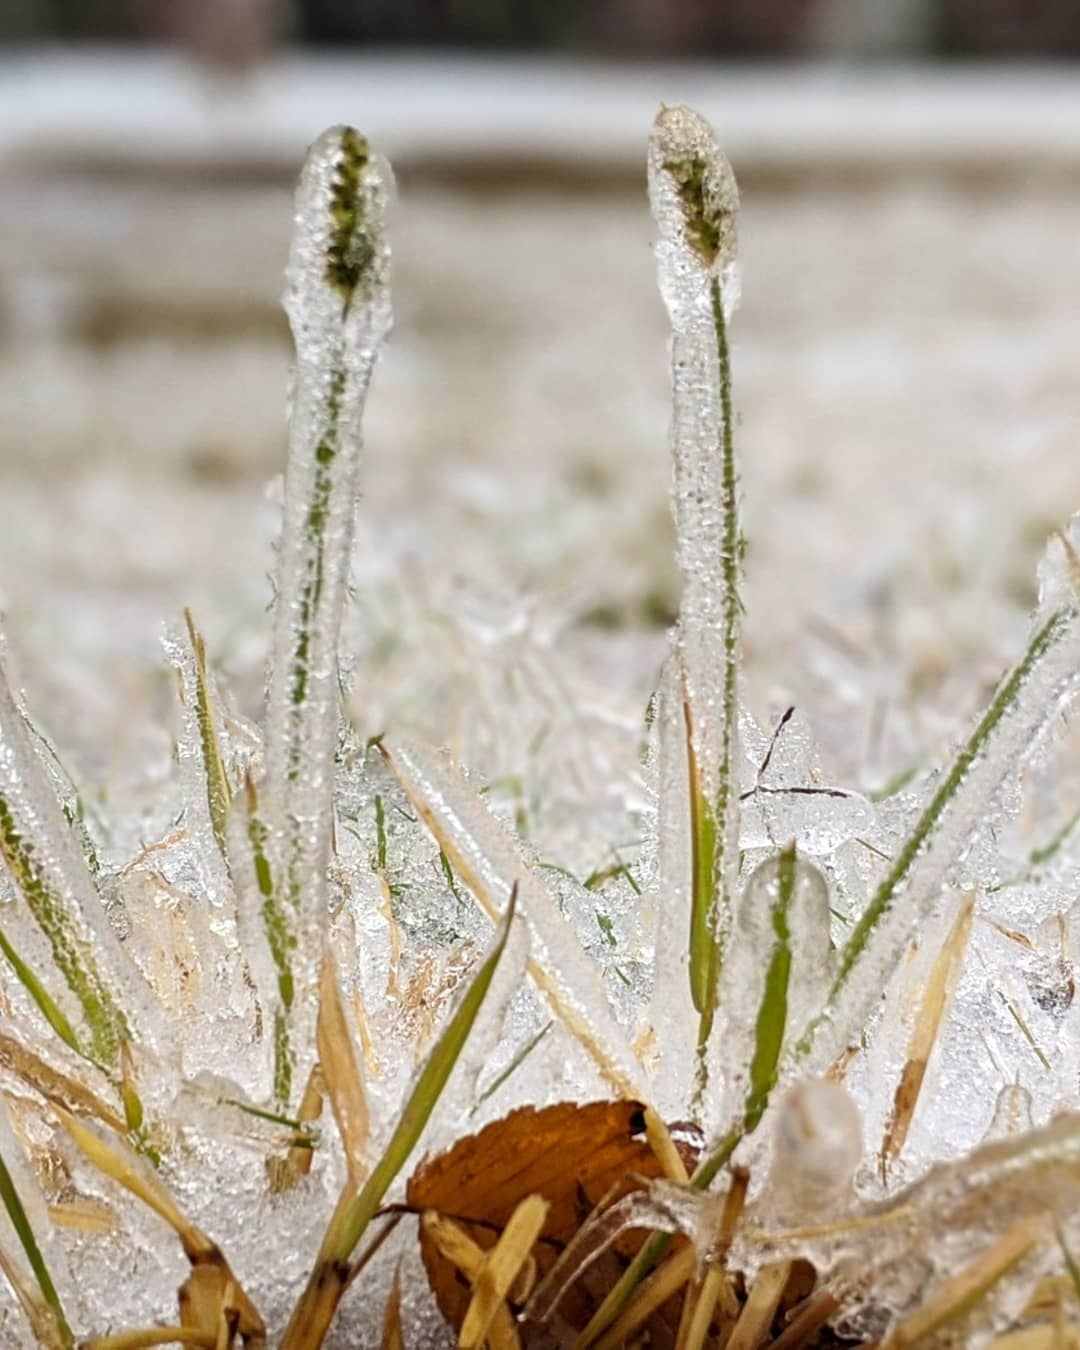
342, 947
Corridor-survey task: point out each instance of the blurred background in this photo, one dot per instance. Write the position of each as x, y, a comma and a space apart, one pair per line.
237, 32
906, 350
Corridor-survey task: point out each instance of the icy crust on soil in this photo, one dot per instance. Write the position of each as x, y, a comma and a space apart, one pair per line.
185, 975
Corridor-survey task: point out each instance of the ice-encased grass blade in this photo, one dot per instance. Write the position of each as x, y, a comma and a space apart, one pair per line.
71, 799
315, 1310
776, 939
54, 1085
16, 1212
694, 202
489, 862
92, 987
340, 1066
46, 1004
1027, 702
338, 302
934, 993
197, 692
265, 933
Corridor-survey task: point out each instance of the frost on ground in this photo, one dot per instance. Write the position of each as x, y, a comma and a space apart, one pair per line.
337, 946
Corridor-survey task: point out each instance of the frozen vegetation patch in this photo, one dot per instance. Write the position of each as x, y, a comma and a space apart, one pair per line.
367, 1049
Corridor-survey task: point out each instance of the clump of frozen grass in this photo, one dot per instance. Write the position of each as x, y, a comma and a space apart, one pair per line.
218, 1066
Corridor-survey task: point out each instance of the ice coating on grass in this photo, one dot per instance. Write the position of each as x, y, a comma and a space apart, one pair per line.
694, 202
787, 796
903, 1252
672, 1015
207, 790
338, 301
777, 972
20, 1175
963, 799
487, 858
99, 998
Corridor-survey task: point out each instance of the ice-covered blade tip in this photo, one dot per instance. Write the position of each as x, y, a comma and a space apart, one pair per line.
692, 186
341, 201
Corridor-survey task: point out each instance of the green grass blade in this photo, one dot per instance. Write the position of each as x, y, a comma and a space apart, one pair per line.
515, 1064
337, 300
703, 952
218, 794
17, 1214
74, 959
41, 996
772, 1014
279, 939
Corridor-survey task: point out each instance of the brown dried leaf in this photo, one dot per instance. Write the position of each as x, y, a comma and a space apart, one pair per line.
571, 1156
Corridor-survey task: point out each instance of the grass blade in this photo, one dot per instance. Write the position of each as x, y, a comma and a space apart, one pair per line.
21, 1224
936, 993
500, 1270
338, 303
770, 1027
694, 203
315, 1310
50, 871
962, 1291
218, 793
56, 1086
341, 1072
1026, 702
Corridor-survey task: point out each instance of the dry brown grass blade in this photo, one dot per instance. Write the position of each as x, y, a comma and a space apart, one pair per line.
1039, 1338
83, 1216
341, 1072
701, 1302
300, 1158
712, 1287
956, 1295
935, 999
676, 1272
148, 1336
468, 1256
393, 1337
500, 1270
55, 1086
203, 1295
760, 1307
808, 1321
228, 1319
36, 1310
662, 1144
